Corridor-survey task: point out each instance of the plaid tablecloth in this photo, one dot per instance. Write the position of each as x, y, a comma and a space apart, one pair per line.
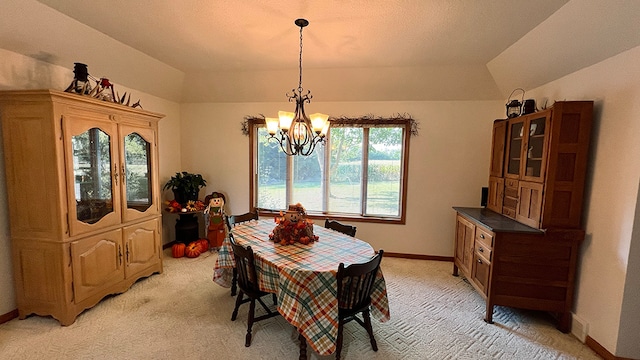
303, 277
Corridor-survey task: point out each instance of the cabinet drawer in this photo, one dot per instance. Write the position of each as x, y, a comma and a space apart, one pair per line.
484, 236
510, 192
510, 212
480, 274
483, 250
511, 183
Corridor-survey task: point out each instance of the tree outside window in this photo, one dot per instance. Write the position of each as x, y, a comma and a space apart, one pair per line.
359, 173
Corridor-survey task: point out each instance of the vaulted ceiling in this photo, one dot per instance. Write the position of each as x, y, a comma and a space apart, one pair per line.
199, 50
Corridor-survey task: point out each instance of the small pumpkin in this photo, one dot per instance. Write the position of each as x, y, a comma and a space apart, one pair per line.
177, 250
204, 245
192, 250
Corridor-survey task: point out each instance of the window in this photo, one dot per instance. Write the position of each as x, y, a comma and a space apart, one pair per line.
359, 173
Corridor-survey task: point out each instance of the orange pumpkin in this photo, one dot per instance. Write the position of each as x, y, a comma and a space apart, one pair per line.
177, 250
204, 245
192, 250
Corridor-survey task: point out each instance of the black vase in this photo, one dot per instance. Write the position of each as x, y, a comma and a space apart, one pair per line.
182, 196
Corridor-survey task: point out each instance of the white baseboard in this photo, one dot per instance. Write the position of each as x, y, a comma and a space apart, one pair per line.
579, 327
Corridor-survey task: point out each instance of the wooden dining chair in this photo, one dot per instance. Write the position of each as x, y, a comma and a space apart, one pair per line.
343, 228
236, 219
355, 286
232, 220
248, 284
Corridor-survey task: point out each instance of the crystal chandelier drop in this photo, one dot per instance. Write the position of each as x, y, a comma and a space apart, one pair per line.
296, 133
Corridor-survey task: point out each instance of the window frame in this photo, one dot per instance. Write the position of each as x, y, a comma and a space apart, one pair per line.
406, 123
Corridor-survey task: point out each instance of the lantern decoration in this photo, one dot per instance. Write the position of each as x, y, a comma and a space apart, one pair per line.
514, 107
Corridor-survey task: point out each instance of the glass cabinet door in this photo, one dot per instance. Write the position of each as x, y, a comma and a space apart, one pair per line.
93, 199
536, 148
515, 142
139, 190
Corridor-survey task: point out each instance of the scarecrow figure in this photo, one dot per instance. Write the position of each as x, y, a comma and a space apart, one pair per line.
215, 216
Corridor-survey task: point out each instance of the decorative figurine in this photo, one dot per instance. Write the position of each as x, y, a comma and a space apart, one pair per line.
293, 226
215, 215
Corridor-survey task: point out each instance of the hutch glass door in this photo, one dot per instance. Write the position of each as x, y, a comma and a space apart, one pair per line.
536, 149
514, 150
140, 192
94, 192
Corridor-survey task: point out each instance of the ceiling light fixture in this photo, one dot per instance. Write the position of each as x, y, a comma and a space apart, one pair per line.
296, 133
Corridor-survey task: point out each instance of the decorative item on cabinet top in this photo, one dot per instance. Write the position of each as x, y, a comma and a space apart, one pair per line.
103, 89
514, 107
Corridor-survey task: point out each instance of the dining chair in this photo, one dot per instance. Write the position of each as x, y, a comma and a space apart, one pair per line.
355, 285
343, 228
236, 219
232, 220
248, 284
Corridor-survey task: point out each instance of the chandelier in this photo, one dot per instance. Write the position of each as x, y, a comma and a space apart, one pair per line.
296, 133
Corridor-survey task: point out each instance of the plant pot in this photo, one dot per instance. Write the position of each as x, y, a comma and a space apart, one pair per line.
182, 197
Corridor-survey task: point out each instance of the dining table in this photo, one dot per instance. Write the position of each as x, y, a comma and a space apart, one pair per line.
303, 277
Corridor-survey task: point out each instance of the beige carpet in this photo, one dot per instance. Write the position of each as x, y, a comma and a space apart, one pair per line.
182, 314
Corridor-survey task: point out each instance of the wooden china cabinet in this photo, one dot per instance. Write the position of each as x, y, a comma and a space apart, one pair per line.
83, 199
521, 250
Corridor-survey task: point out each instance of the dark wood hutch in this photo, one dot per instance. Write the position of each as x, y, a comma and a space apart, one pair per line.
521, 250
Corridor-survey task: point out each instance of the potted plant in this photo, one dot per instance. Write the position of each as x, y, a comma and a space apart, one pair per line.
185, 186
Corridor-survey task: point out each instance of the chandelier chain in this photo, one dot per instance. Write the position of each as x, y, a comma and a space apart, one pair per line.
300, 63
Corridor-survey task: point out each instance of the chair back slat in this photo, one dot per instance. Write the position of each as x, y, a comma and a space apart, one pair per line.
246, 269
232, 220
343, 228
355, 283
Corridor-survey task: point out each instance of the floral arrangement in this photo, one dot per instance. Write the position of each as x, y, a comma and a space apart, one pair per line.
293, 226
191, 205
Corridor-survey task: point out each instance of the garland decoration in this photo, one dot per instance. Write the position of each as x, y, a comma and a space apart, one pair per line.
345, 121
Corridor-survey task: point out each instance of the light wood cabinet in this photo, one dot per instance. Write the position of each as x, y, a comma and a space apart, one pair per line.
84, 199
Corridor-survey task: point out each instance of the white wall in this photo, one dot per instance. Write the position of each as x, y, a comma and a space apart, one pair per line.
21, 72
611, 196
448, 162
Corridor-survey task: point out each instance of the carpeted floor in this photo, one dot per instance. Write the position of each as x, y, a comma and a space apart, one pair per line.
182, 314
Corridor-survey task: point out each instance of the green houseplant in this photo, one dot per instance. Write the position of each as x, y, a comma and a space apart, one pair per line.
185, 186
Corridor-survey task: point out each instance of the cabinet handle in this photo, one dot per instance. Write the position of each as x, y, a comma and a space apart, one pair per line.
120, 254
122, 171
127, 253
479, 261
480, 249
115, 173
481, 236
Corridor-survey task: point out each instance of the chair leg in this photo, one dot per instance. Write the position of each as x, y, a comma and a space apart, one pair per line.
367, 322
303, 347
234, 315
234, 282
252, 309
339, 339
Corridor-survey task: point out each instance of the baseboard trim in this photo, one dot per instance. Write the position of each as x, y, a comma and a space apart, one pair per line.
8, 316
600, 350
386, 254
418, 257
168, 245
